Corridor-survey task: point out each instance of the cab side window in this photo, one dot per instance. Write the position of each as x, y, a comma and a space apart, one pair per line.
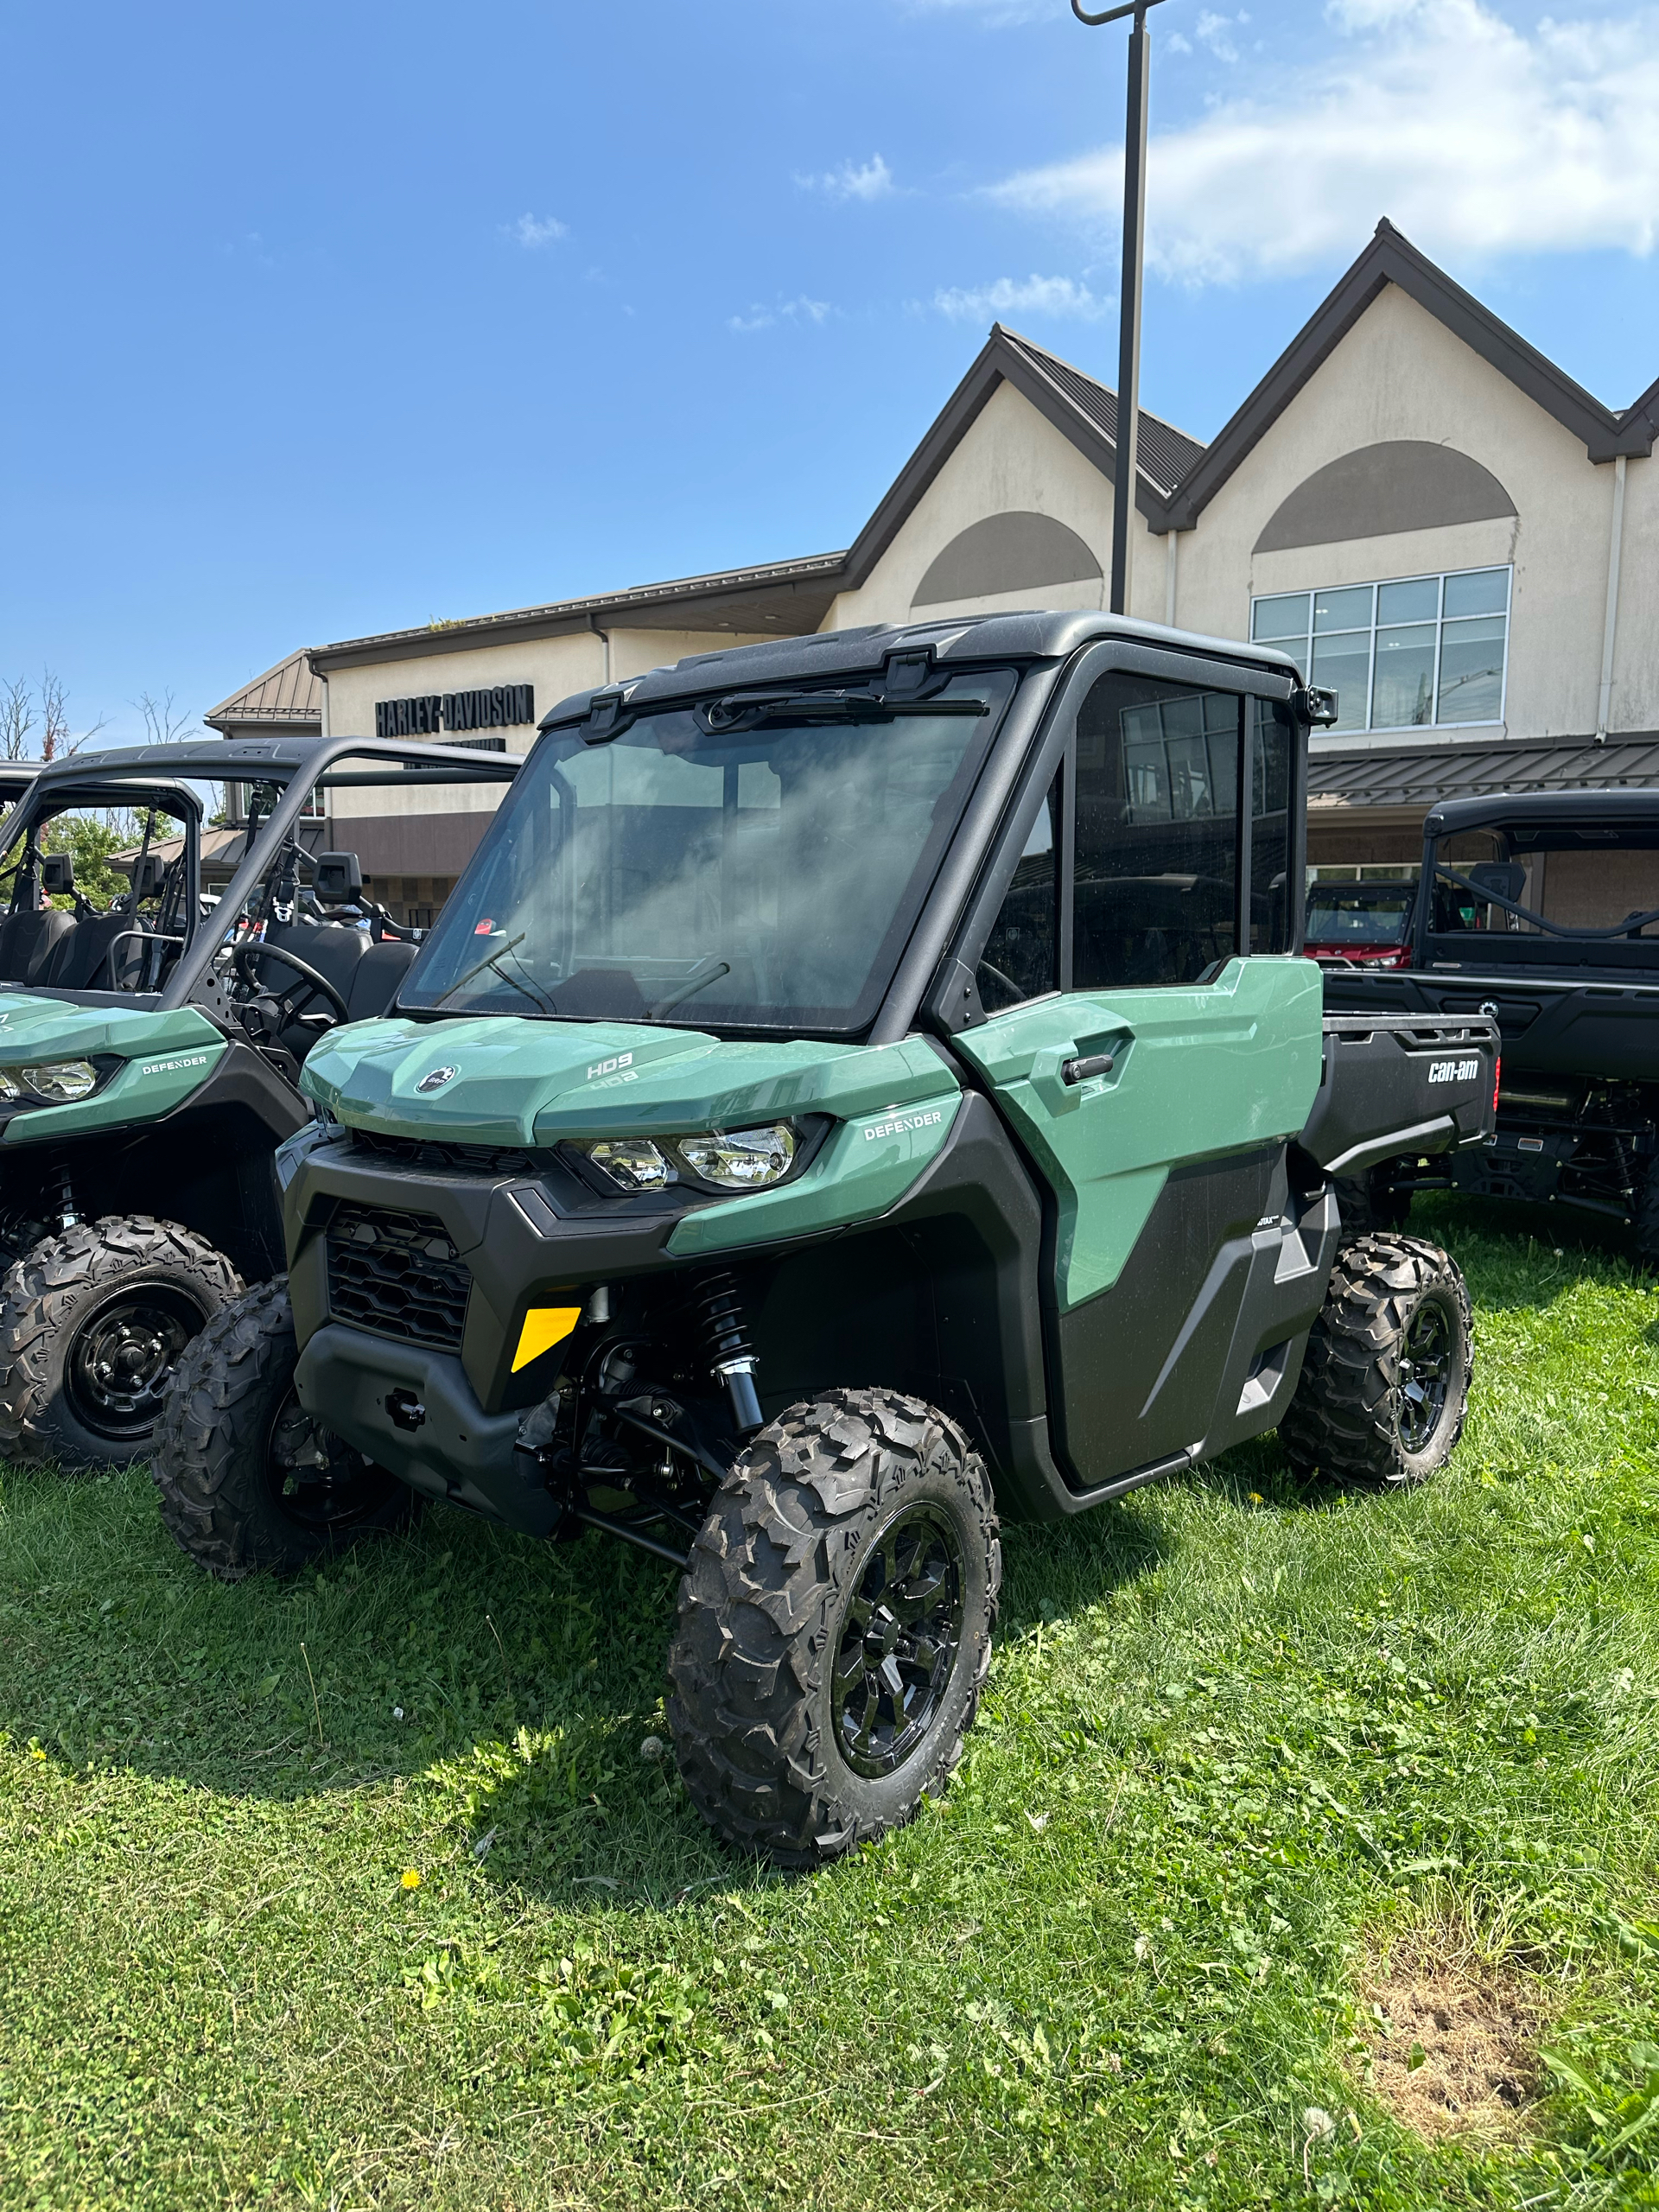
1272, 754
1155, 896
1021, 957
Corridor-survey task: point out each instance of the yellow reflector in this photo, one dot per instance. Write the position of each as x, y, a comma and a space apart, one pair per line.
544, 1327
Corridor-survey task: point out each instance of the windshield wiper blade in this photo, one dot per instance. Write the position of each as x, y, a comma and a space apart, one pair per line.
687, 987
512, 982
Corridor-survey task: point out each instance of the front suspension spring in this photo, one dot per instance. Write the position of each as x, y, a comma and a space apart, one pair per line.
725, 1341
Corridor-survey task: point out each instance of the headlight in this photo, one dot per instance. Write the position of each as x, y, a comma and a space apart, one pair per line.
720, 1160
632, 1163
739, 1159
57, 1082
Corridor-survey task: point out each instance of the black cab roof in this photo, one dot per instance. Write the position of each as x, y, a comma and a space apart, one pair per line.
949, 640
1533, 814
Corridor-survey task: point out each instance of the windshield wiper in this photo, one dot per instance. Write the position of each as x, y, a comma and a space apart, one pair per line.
544, 1005
687, 988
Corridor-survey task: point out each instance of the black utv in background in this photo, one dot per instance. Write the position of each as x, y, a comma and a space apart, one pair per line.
1541, 909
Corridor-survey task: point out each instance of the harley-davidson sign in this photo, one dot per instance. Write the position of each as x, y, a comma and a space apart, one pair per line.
499, 705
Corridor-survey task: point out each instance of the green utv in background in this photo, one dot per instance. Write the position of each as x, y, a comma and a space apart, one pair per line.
149, 1061
861, 1087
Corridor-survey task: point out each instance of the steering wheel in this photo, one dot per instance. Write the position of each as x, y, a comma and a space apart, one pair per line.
245, 955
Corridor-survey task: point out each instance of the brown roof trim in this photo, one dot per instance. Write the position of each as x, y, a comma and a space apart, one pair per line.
286, 698
1005, 358
560, 617
1390, 258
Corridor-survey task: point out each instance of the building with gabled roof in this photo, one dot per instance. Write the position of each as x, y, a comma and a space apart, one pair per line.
1431, 515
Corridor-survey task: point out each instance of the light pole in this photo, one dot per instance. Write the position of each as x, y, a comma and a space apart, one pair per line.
1128, 321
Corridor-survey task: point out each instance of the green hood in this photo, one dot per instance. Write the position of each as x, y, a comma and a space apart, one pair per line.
169, 1057
526, 1082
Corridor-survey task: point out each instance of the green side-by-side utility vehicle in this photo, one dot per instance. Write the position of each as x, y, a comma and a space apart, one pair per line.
150, 1054
861, 1087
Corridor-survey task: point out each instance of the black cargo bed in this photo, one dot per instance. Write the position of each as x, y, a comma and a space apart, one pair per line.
1399, 1084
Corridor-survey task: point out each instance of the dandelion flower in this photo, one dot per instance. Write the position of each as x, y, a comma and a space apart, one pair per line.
411, 1880
36, 1752
1142, 1948
1319, 2123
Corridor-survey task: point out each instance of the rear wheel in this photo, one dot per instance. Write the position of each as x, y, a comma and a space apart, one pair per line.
92, 1322
1385, 1381
249, 1481
835, 1626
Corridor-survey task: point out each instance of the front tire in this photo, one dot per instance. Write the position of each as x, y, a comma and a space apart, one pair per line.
249, 1483
92, 1322
1385, 1380
835, 1624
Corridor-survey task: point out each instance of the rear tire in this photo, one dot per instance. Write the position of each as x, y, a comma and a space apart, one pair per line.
1385, 1381
835, 1626
249, 1483
92, 1322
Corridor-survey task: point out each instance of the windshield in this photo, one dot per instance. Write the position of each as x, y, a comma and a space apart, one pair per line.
1359, 914
762, 879
1568, 883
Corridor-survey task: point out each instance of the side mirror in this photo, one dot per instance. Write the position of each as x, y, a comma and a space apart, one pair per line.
1315, 705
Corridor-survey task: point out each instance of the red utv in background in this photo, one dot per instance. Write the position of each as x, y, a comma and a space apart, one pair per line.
1360, 925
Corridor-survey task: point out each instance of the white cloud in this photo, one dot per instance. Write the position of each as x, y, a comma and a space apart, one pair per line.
1470, 134
537, 230
1050, 295
1216, 32
871, 181
797, 310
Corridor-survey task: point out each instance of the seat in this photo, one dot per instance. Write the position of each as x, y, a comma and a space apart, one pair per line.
379, 973
26, 938
79, 961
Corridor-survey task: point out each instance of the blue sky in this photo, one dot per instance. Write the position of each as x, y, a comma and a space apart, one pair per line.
322, 319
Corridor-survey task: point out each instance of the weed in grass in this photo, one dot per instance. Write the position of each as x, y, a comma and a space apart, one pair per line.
1237, 1735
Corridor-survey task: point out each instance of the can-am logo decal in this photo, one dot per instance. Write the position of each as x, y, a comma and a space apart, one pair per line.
902, 1124
1453, 1071
610, 1067
436, 1080
166, 1067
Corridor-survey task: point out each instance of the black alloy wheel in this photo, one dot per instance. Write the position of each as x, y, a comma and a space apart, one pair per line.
898, 1641
1425, 1372
1385, 1375
835, 1625
121, 1356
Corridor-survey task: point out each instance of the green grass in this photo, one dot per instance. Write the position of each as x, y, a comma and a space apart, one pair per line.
1236, 1736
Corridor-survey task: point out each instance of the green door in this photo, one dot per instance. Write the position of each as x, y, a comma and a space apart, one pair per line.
1171, 918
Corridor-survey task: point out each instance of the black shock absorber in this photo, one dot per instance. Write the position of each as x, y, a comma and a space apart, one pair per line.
725, 1339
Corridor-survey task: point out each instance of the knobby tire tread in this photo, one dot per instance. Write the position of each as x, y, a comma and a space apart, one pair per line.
39, 1291
740, 1703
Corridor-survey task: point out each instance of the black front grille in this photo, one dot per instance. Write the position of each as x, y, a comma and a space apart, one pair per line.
398, 1274
433, 1155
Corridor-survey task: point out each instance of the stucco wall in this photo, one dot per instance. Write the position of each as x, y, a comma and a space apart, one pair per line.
1011, 460
1399, 373
556, 666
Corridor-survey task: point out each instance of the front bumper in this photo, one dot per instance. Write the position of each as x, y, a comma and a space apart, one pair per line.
414, 1411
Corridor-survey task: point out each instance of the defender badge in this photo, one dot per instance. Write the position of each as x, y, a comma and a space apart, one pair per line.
436, 1079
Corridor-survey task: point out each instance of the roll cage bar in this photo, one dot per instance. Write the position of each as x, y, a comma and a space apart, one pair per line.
297, 766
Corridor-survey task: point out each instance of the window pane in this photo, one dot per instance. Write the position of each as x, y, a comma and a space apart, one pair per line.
1342, 610
1404, 692
1283, 617
1417, 602
1485, 591
1021, 957
1472, 670
1273, 738
1343, 665
1155, 883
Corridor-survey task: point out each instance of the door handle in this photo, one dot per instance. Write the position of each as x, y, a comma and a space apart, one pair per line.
1079, 1070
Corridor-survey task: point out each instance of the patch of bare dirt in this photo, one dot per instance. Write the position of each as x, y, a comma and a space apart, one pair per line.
1452, 2039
